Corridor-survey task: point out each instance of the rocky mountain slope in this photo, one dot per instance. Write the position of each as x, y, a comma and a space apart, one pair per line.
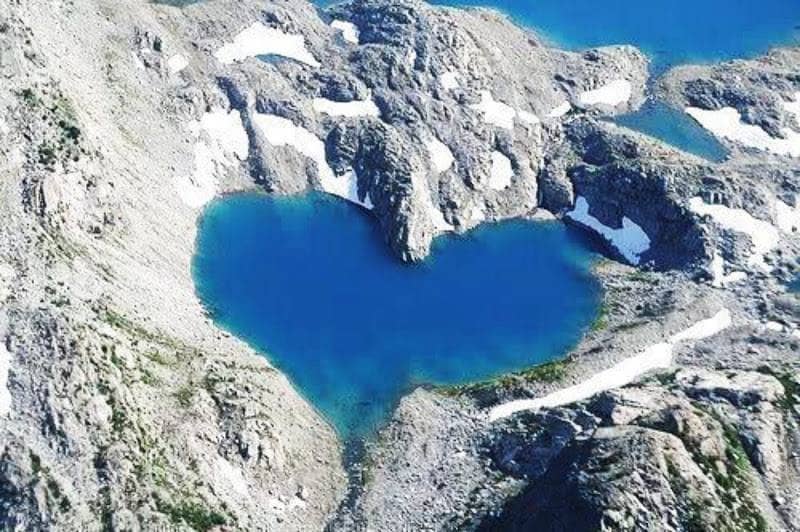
124, 407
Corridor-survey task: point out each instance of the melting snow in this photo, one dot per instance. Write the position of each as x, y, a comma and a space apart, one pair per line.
630, 240
349, 30
176, 63
530, 118
763, 235
279, 131
225, 141
560, 110
440, 154
449, 80
614, 93
348, 109
261, 40
727, 123
502, 172
706, 328
657, 356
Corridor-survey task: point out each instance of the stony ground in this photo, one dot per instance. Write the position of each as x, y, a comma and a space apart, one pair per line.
129, 409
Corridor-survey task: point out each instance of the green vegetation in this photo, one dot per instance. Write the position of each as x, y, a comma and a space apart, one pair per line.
53, 490
734, 478
118, 418
185, 394
642, 276
548, 372
120, 322
60, 115
191, 513
791, 388
601, 320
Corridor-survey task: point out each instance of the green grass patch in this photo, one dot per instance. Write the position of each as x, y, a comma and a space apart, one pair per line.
549, 372
791, 389
185, 395
192, 514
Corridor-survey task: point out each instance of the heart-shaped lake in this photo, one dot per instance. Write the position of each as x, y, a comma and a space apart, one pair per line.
310, 282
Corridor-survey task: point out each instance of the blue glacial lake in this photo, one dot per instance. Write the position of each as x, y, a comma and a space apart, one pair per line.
669, 31
310, 282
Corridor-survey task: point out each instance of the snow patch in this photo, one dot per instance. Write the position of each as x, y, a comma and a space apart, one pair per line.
176, 63
727, 123
349, 30
477, 213
500, 114
657, 356
449, 80
764, 236
774, 326
502, 172
614, 93
258, 39
705, 328
225, 129
719, 278
654, 357
560, 110
348, 109
528, 117
279, 131
494, 112
787, 218
440, 155
221, 141
630, 240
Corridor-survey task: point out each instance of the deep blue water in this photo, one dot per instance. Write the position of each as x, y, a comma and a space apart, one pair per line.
669, 31
311, 282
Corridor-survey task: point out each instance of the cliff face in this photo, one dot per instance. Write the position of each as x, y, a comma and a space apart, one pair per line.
124, 407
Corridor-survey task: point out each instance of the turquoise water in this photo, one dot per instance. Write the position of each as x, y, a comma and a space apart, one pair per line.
676, 128
669, 31
311, 282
